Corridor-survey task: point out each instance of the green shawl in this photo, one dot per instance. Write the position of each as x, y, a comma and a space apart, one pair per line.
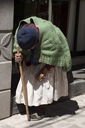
52, 48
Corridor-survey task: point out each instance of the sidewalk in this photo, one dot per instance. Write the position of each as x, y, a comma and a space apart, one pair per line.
66, 114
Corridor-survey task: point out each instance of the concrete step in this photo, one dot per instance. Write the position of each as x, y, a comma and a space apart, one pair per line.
78, 86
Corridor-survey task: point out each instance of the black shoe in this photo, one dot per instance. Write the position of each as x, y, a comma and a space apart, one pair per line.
38, 116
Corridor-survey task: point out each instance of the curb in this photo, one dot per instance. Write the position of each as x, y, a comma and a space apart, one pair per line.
76, 88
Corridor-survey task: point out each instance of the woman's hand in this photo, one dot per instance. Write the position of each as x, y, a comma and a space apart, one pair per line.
42, 74
18, 57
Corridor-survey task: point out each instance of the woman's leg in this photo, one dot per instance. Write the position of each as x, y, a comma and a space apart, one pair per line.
42, 109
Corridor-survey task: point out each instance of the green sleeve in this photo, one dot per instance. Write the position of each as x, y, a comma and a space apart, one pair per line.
67, 56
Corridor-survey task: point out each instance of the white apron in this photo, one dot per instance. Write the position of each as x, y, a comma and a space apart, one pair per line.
42, 92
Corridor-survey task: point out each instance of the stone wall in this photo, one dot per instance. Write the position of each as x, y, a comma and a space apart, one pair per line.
6, 27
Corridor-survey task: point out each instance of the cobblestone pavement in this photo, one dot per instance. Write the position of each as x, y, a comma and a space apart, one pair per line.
66, 114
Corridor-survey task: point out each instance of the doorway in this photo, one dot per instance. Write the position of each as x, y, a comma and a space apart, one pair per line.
40, 8
24, 9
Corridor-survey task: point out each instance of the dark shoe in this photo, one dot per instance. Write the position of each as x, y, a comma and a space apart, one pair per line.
38, 116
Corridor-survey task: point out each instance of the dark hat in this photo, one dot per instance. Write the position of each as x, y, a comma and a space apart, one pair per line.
27, 37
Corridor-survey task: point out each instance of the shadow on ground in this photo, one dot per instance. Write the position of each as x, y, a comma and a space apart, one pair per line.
62, 108
56, 110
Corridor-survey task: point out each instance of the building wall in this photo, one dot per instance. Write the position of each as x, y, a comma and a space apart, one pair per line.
6, 27
81, 27
71, 24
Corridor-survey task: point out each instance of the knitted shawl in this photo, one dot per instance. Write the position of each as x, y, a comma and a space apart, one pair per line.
52, 48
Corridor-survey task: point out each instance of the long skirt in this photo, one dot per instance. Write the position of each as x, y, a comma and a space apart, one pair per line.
54, 86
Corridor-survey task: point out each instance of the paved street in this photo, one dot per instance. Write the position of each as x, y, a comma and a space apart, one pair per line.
66, 114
